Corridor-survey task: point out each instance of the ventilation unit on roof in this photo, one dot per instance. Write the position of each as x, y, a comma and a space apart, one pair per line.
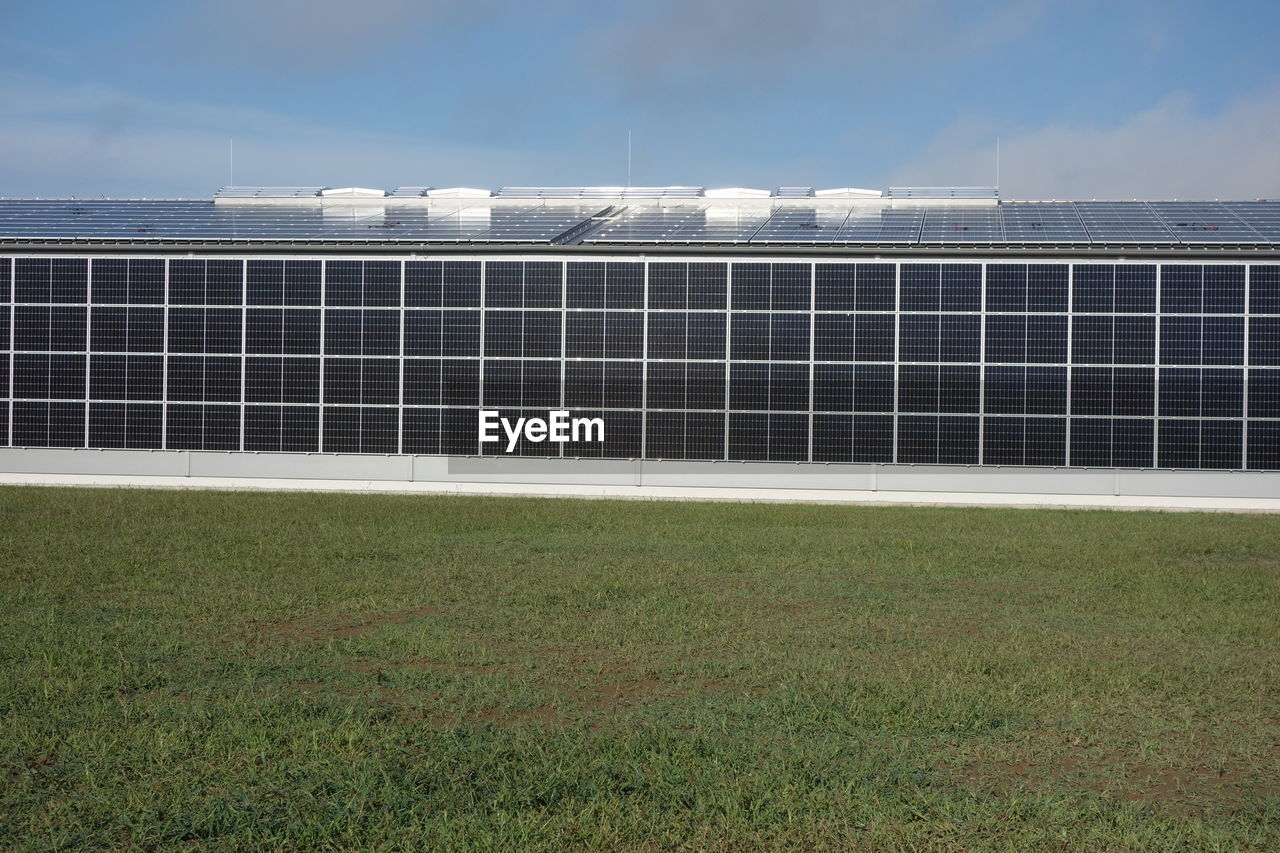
848, 192
795, 192
354, 192
409, 192
737, 192
458, 192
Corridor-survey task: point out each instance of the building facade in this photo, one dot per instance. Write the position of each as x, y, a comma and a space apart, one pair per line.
976, 355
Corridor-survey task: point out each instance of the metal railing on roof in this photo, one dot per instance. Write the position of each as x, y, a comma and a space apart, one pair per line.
942, 192
269, 192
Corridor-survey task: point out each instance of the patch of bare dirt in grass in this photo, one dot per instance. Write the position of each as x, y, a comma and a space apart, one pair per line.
306, 629
1184, 785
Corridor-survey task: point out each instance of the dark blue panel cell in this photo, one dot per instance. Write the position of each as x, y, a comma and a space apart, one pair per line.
750, 287
789, 337
918, 337
835, 287
873, 438
832, 438
288, 429
1264, 341
791, 287
1264, 393
39, 424
1094, 289
1182, 289
1047, 287
1264, 289
748, 337
708, 286
706, 335
921, 287
1224, 289
1007, 288
961, 287
959, 337
1264, 445
1135, 288
504, 284
543, 284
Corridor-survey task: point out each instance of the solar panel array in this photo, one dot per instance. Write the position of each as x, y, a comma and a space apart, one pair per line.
681, 222
1045, 223
1170, 365
130, 221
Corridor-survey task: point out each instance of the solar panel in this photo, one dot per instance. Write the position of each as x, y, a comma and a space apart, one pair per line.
882, 226
802, 225
717, 224
203, 220
408, 192
724, 221
962, 225
1204, 222
1042, 222
1122, 222
645, 224
1262, 216
795, 192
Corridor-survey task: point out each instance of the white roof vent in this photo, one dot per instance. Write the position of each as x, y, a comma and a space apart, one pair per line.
459, 192
354, 192
848, 192
737, 192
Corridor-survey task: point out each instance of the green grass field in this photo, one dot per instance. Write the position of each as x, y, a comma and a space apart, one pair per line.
184, 670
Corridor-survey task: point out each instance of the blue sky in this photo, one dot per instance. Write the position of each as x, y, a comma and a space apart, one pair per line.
1119, 99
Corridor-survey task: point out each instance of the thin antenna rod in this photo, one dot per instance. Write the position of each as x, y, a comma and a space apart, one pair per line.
628, 158
997, 165
231, 160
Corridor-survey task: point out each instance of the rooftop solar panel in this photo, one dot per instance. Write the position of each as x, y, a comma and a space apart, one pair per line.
1204, 222
1042, 222
408, 192
1122, 222
802, 225
1262, 216
645, 224
726, 221
882, 226
717, 224
962, 225
203, 220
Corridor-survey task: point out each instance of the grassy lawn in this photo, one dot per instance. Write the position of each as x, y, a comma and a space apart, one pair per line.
187, 670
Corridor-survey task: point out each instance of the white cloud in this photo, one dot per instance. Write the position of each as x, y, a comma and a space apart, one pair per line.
751, 45
1170, 150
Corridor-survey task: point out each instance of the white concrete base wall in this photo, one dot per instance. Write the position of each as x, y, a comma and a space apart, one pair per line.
775, 481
